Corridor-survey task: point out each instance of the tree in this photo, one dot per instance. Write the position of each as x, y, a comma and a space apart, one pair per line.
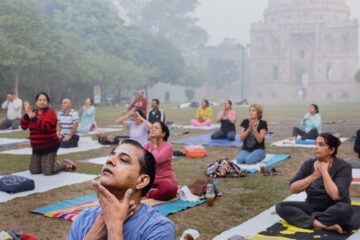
357, 76
222, 72
193, 78
25, 34
171, 19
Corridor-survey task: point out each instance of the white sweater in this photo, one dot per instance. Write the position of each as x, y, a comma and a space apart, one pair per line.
13, 107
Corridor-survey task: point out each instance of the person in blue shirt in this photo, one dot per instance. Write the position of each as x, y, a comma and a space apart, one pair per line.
311, 124
126, 177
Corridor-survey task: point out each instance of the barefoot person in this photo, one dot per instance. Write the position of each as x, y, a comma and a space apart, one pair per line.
227, 117
138, 126
126, 177
165, 186
311, 124
253, 132
87, 117
203, 115
68, 121
326, 180
44, 140
13, 114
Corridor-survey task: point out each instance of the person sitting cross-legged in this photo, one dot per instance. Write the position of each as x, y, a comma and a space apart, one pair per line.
68, 121
126, 177
326, 180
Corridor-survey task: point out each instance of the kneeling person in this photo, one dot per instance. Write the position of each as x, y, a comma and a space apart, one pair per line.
125, 178
67, 127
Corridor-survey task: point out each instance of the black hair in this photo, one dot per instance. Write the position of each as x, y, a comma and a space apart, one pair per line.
331, 141
91, 101
229, 102
316, 107
164, 129
42, 93
147, 164
206, 102
11, 92
156, 100
142, 114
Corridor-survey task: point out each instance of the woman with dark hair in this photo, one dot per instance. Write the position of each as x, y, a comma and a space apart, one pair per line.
326, 180
253, 132
87, 117
311, 123
44, 140
227, 117
165, 186
138, 126
203, 115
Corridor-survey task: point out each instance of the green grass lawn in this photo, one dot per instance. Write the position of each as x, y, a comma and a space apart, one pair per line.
243, 198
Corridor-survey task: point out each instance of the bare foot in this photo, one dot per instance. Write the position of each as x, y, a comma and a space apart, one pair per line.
335, 227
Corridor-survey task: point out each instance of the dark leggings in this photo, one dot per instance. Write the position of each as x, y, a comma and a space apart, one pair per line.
312, 134
72, 142
302, 215
221, 135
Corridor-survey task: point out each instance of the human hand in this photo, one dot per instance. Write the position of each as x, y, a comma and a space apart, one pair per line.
98, 230
9, 97
252, 124
305, 119
28, 109
59, 135
323, 166
115, 211
316, 172
67, 138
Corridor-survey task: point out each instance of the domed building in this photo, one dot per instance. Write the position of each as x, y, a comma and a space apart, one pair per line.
304, 49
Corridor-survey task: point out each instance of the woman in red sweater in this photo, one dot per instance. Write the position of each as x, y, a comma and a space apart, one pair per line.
165, 185
44, 140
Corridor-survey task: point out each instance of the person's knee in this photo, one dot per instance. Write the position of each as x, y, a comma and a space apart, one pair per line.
344, 212
279, 208
240, 158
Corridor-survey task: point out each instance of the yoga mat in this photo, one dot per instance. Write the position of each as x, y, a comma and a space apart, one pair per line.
270, 159
70, 209
285, 230
11, 142
298, 143
100, 131
9, 130
205, 139
100, 160
85, 144
45, 183
264, 220
178, 133
211, 127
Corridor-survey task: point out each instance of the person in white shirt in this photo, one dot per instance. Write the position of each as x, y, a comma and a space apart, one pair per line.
14, 108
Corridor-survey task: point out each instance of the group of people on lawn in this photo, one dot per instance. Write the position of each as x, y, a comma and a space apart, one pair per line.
138, 167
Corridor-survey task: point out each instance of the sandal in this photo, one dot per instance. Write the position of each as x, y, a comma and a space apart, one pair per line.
70, 166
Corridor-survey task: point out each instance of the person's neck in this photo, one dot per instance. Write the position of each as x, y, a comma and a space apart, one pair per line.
157, 141
41, 110
87, 106
204, 107
329, 159
66, 111
135, 196
156, 109
312, 113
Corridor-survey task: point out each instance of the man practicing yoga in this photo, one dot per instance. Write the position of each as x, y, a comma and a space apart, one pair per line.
68, 121
13, 115
326, 180
126, 177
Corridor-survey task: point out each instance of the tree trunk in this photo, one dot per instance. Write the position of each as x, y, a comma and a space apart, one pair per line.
6, 80
16, 83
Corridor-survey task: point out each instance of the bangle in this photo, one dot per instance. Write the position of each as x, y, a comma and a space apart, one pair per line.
307, 180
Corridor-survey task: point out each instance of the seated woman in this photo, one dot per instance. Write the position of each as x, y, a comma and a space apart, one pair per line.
253, 132
203, 115
311, 123
41, 123
227, 117
165, 186
138, 126
326, 180
87, 117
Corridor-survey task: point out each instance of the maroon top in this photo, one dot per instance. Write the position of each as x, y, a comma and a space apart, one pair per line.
139, 103
42, 128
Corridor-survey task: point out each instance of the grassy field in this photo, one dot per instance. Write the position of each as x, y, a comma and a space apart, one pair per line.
243, 198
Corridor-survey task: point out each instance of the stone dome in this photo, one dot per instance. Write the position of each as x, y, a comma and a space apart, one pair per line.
306, 11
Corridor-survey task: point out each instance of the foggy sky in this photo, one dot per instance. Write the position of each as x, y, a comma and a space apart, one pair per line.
232, 18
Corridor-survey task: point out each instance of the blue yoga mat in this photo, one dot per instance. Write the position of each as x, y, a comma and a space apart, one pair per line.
277, 158
307, 142
205, 139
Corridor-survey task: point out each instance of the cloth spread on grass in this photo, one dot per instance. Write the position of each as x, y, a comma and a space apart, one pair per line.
268, 161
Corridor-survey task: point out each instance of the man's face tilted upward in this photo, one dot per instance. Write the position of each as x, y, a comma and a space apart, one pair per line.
122, 169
